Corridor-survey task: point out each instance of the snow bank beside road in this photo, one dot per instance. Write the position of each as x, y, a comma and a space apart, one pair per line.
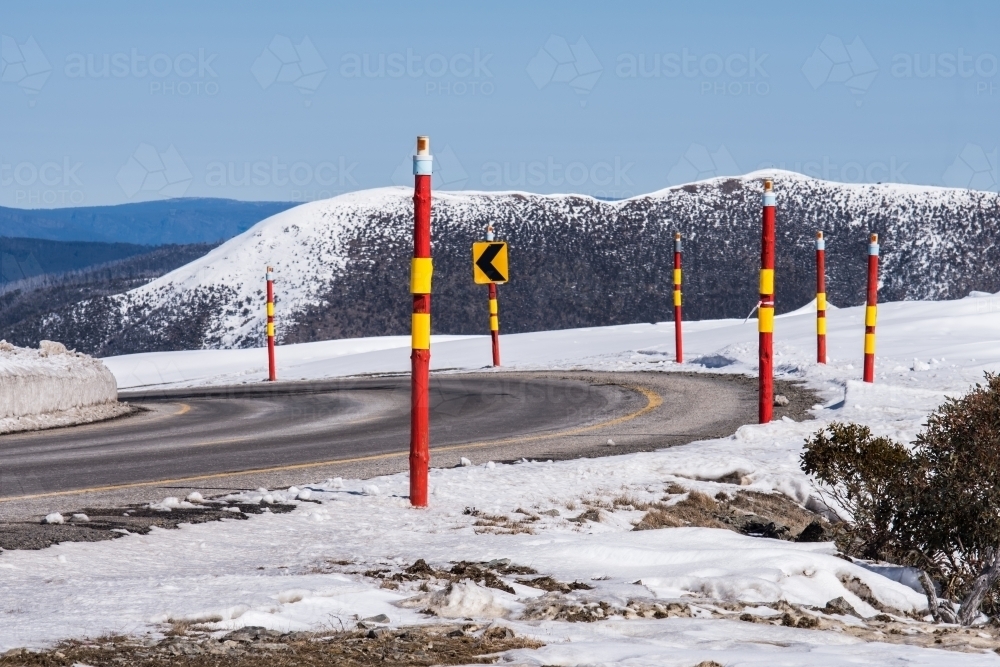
937, 346
52, 386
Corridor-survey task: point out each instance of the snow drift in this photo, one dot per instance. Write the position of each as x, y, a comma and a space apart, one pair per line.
52, 386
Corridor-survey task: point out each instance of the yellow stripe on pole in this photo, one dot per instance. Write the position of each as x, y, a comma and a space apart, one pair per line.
270, 309
821, 325
270, 328
421, 270
677, 297
494, 323
821, 301
869, 343
677, 276
870, 313
421, 327
493, 306
767, 281
765, 319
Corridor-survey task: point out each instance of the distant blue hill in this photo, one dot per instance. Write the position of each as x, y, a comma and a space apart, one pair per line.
175, 221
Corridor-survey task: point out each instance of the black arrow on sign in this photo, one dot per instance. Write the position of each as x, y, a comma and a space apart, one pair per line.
485, 263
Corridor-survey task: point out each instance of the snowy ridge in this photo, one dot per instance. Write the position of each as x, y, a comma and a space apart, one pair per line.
307, 242
342, 265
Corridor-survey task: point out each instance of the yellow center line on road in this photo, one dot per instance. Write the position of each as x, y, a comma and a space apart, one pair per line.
653, 401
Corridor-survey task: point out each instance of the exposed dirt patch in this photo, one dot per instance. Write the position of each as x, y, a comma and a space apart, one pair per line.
252, 647
748, 512
551, 585
485, 574
110, 523
500, 524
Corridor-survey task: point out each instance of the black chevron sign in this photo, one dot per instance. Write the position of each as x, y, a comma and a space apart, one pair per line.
489, 262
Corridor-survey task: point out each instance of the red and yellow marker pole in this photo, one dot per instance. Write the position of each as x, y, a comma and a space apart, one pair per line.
494, 324
820, 298
678, 327
420, 287
272, 369
494, 311
765, 315
871, 309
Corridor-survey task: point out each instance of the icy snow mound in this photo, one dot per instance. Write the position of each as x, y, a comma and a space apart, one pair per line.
51, 379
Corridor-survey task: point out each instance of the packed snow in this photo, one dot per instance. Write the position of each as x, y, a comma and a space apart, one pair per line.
933, 345
52, 386
305, 570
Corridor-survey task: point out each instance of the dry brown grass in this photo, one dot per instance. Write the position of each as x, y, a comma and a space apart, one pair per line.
500, 524
747, 512
484, 574
399, 647
552, 585
625, 501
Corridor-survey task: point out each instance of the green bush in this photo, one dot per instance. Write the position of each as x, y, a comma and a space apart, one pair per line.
935, 505
865, 475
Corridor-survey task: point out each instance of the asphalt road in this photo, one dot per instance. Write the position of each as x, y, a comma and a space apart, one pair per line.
274, 435
188, 433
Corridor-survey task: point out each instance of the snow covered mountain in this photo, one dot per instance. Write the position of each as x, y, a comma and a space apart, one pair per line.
342, 264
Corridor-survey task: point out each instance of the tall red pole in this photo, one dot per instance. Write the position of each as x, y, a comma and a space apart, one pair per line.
678, 327
820, 298
871, 309
765, 316
272, 369
420, 287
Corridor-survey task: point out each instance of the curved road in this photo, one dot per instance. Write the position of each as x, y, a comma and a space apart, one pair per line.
274, 435
188, 433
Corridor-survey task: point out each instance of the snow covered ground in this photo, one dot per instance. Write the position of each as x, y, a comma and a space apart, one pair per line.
306, 569
935, 345
50, 386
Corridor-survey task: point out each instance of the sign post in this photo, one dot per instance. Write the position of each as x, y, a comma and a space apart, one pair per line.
871, 309
820, 298
765, 315
272, 368
678, 328
421, 270
489, 267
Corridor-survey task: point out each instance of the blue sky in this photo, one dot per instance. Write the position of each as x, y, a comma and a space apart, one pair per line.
114, 102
